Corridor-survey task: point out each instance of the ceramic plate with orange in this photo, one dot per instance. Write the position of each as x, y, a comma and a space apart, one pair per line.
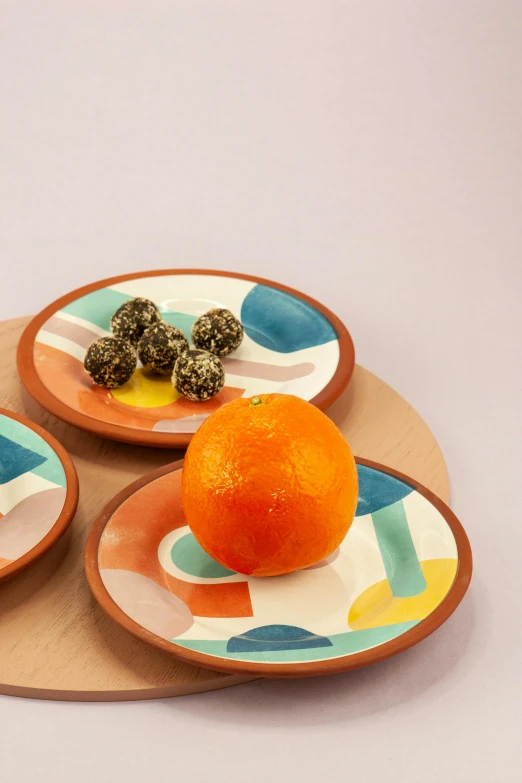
38, 492
292, 344
401, 571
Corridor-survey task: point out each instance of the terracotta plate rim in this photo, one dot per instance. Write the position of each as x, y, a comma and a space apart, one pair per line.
69, 507
31, 380
304, 669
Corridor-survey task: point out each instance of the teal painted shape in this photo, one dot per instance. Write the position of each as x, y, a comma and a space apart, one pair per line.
378, 490
52, 470
283, 322
98, 307
182, 321
48, 465
342, 644
276, 637
398, 552
190, 558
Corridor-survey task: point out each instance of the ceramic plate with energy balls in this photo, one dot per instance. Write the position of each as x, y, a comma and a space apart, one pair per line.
291, 344
38, 492
401, 571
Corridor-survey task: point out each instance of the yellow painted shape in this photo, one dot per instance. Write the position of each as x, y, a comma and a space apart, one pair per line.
377, 606
146, 391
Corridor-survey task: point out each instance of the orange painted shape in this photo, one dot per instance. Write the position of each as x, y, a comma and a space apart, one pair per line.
64, 376
216, 600
131, 541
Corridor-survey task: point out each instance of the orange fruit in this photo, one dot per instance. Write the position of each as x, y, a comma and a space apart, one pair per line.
269, 485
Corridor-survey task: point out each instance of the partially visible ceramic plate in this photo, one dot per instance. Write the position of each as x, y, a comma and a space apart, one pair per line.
292, 345
401, 571
38, 492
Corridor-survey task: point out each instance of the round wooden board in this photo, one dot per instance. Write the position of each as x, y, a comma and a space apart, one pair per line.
55, 642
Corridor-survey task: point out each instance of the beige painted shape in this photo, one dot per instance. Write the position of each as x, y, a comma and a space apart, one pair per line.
25, 525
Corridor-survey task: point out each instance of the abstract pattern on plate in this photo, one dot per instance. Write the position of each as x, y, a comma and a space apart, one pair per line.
32, 489
289, 346
396, 565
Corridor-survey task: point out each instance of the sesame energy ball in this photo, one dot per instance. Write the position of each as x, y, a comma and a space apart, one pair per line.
132, 318
198, 375
160, 346
218, 331
110, 362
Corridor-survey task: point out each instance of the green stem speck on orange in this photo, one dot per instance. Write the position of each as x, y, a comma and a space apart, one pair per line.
256, 401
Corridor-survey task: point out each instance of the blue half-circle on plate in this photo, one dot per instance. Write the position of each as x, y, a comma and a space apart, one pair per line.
283, 322
276, 637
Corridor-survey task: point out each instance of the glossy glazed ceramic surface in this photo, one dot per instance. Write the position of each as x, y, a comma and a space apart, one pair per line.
33, 493
403, 557
291, 345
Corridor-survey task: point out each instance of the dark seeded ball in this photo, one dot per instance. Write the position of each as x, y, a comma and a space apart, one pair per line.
218, 331
132, 318
110, 362
198, 375
160, 346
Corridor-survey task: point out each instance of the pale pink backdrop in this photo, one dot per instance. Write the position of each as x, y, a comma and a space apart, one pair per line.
370, 154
